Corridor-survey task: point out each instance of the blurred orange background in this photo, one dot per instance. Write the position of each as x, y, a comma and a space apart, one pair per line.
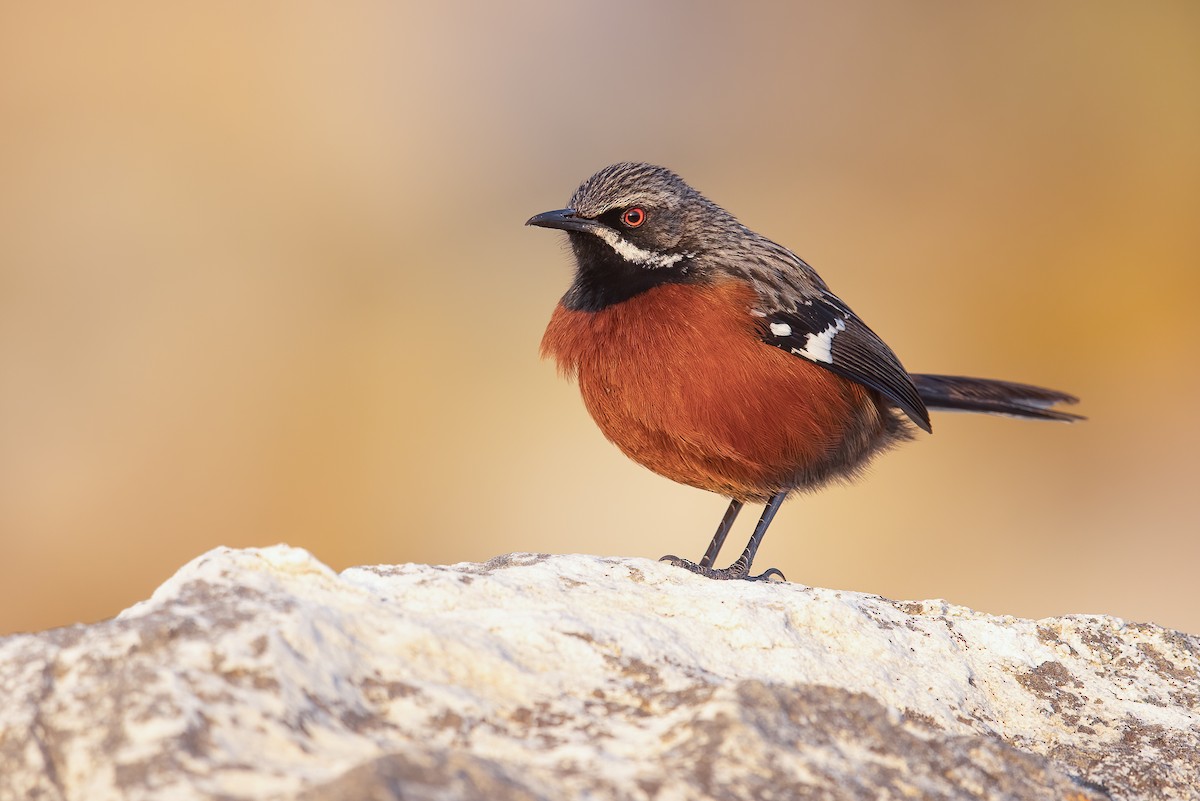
263, 278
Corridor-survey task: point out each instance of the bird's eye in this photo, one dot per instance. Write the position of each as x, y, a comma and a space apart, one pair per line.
633, 217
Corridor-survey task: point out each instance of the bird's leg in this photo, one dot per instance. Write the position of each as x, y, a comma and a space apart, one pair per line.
718, 539
741, 568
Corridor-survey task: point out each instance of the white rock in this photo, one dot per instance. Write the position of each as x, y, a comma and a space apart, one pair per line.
263, 674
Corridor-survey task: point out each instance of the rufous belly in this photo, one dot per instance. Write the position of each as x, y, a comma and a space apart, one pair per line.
678, 378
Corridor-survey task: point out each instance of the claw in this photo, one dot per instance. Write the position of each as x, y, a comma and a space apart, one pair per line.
741, 568
738, 570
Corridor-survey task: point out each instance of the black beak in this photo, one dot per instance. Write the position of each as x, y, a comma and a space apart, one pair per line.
563, 219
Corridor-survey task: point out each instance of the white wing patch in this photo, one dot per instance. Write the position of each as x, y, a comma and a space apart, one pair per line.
818, 347
781, 329
636, 255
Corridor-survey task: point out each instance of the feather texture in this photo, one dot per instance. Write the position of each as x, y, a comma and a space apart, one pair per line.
677, 378
824, 331
989, 396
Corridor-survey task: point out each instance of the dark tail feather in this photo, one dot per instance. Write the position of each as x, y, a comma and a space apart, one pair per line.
956, 393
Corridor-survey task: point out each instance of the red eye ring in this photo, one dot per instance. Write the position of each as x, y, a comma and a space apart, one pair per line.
633, 217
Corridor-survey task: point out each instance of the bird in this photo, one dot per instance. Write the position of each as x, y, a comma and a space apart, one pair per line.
720, 359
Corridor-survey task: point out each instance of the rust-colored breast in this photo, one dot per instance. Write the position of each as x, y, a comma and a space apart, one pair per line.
679, 380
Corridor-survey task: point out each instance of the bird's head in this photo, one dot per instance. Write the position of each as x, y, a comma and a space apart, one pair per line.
633, 227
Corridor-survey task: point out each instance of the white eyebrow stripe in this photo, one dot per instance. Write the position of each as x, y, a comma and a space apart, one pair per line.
636, 255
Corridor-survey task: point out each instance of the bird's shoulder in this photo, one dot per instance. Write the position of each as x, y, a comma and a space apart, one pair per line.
797, 312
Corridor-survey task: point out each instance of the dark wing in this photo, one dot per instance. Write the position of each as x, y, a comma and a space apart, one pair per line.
824, 331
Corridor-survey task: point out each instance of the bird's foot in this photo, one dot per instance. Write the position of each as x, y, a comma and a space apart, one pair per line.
738, 570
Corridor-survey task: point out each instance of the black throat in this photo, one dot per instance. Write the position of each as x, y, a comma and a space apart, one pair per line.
603, 277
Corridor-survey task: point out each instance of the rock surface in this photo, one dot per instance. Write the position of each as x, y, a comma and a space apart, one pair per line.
263, 674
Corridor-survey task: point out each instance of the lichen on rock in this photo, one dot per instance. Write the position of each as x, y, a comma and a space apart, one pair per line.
263, 674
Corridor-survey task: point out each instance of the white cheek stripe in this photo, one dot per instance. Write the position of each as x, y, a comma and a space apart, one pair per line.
819, 347
632, 253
